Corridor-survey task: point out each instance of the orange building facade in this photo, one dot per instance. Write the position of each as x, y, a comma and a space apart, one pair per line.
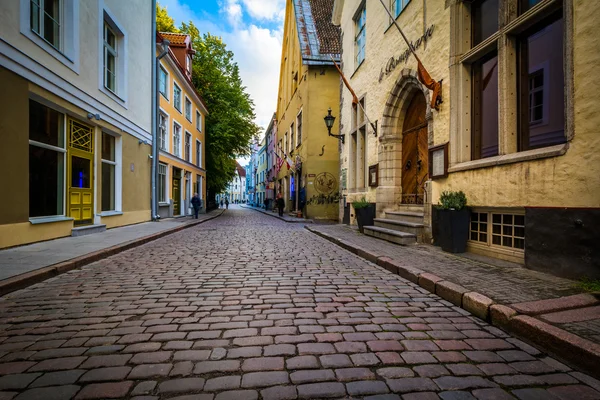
181, 137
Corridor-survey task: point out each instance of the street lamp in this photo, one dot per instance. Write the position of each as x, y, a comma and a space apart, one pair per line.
329, 120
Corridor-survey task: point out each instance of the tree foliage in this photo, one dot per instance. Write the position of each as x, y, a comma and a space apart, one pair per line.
229, 123
164, 22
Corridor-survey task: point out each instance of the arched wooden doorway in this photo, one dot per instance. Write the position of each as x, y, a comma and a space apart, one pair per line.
414, 151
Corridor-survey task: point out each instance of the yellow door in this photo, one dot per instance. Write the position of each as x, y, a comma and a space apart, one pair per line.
80, 172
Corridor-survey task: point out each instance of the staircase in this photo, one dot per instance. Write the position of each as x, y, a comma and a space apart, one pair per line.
404, 226
87, 230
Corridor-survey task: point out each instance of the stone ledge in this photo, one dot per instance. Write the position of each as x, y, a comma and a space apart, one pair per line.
450, 291
477, 304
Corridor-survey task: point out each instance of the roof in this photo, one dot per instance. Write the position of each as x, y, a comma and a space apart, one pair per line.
176, 39
319, 38
240, 170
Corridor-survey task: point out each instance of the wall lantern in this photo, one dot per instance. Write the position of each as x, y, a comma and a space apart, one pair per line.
329, 120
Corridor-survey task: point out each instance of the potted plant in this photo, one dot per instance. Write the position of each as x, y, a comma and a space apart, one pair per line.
453, 222
365, 213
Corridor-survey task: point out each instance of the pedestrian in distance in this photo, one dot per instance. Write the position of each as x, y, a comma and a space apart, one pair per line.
280, 204
227, 203
221, 206
196, 204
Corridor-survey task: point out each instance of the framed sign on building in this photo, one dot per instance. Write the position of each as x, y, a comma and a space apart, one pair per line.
373, 175
438, 161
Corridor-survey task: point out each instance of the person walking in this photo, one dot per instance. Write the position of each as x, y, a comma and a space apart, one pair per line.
280, 204
221, 206
226, 203
196, 204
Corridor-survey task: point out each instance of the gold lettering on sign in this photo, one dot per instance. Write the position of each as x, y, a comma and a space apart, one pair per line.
393, 62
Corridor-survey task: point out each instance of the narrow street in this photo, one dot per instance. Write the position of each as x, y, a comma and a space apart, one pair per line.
247, 306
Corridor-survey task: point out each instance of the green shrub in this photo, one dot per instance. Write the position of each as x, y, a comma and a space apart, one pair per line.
450, 200
362, 203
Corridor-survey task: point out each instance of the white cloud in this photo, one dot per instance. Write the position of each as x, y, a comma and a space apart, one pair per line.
257, 48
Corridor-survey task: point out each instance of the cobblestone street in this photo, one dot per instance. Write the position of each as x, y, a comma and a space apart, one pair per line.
247, 306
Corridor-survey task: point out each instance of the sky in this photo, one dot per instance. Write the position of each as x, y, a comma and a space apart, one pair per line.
253, 30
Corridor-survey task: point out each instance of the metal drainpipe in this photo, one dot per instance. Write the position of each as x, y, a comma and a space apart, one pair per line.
154, 169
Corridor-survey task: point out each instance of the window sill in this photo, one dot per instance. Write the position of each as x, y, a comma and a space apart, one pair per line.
118, 99
164, 96
110, 213
357, 68
164, 204
529, 155
49, 220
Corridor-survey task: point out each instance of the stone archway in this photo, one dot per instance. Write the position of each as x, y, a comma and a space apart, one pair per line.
389, 191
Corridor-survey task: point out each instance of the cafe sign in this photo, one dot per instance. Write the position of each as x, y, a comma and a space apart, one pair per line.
393, 62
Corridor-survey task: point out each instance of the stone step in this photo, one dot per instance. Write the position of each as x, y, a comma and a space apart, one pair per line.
408, 227
390, 235
407, 216
419, 208
87, 230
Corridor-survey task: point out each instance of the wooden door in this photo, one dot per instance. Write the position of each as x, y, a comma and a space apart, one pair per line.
414, 151
80, 173
176, 195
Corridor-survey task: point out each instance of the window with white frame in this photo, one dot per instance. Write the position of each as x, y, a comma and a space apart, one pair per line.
292, 143
46, 161
299, 129
109, 172
198, 121
162, 131
176, 139
45, 17
497, 228
360, 34
163, 82
358, 147
188, 147
199, 153
162, 183
188, 109
397, 6
110, 58
176, 97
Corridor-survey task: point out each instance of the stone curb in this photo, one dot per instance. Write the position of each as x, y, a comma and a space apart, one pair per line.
307, 221
29, 278
578, 351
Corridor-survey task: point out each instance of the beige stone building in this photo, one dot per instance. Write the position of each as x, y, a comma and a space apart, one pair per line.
516, 132
75, 116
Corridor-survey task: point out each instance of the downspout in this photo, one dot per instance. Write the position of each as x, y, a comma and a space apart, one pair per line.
154, 168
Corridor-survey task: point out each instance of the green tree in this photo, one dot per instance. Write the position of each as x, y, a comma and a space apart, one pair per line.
164, 23
229, 123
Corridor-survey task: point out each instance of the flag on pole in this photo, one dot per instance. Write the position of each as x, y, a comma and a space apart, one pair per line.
354, 97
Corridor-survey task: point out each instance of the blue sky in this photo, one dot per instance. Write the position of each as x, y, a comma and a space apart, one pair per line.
253, 30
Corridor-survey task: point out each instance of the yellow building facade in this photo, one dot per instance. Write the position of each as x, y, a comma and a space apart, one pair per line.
181, 138
76, 117
515, 131
308, 87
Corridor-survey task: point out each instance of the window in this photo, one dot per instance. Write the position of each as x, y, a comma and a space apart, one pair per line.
286, 148
532, 45
397, 6
358, 148
46, 161
45, 20
198, 121
199, 153
163, 82
498, 229
198, 188
292, 145
360, 38
188, 147
299, 129
162, 183
485, 107
541, 86
110, 58
109, 166
188, 109
176, 97
162, 131
176, 139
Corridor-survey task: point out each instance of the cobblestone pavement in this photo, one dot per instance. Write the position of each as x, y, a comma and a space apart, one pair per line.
247, 307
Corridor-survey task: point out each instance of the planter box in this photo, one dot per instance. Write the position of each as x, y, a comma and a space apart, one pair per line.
365, 217
453, 230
